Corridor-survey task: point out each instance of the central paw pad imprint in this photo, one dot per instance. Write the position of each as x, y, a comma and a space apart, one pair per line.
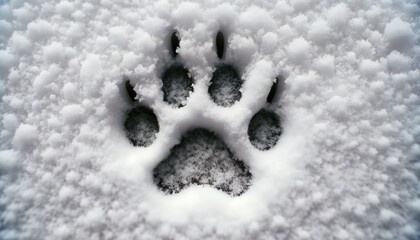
201, 157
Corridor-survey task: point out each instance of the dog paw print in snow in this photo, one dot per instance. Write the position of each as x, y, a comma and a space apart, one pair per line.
201, 156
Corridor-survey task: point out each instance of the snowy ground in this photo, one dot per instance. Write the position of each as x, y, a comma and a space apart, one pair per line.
345, 167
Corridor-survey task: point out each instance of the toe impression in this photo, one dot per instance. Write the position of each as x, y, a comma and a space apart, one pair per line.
141, 126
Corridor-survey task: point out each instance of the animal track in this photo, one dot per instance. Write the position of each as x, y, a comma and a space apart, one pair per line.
201, 157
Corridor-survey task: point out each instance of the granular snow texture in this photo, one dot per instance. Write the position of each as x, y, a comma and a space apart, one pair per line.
346, 165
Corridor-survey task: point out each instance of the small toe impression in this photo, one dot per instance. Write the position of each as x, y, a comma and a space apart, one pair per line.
265, 129
141, 126
202, 158
225, 86
177, 85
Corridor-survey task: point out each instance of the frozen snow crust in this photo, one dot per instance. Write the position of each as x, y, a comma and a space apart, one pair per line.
345, 167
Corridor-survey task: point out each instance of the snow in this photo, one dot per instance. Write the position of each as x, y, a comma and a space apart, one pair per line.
69, 92
39, 30
339, 15
346, 165
25, 136
72, 113
398, 62
325, 64
10, 122
319, 32
90, 66
6, 60
399, 34
298, 50
269, 42
8, 159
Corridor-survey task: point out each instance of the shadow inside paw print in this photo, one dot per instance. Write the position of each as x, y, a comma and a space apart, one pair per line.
201, 157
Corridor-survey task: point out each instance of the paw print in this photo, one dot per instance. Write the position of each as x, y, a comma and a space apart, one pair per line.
201, 157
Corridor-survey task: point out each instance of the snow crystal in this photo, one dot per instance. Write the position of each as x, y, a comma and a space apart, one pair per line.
8, 159
55, 52
244, 48
185, 12
70, 92
399, 35
342, 234
5, 29
72, 113
415, 205
269, 42
298, 50
62, 232
117, 35
370, 68
25, 136
325, 64
279, 222
256, 18
72, 177
93, 218
90, 66
39, 30
388, 216
46, 77
339, 15
373, 199
319, 32
65, 193
10, 122
19, 43
65, 8
6, 60
398, 62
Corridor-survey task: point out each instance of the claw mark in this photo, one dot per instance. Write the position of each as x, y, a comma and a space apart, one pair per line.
174, 43
276, 89
273, 91
220, 44
130, 90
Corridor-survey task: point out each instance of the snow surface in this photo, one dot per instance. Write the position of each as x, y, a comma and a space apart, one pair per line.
347, 163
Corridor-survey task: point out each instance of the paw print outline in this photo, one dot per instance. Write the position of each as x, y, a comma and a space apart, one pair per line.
201, 157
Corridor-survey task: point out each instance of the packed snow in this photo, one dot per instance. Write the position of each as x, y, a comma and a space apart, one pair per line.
345, 165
